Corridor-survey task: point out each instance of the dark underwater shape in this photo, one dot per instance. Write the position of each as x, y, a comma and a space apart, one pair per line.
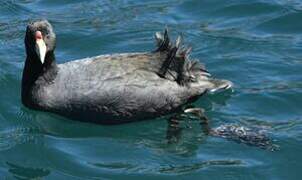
115, 88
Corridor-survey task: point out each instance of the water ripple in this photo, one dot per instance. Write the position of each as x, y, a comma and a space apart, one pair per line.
257, 44
181, 169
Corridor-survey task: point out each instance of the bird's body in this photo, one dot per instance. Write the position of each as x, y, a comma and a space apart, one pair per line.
115, 88
118, 88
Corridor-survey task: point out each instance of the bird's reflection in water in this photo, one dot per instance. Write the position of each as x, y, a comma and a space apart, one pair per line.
178, 122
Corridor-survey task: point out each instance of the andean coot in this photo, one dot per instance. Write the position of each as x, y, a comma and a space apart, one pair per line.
115, 88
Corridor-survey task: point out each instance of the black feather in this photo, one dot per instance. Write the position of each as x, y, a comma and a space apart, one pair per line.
177, 59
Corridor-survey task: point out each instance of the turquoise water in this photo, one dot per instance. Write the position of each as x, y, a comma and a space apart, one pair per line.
257, 44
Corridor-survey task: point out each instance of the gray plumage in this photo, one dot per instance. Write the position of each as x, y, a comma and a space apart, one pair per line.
114, 88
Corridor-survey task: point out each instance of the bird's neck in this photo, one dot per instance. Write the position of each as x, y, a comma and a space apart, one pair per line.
36, 74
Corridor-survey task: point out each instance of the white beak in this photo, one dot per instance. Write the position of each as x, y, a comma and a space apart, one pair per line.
41, 49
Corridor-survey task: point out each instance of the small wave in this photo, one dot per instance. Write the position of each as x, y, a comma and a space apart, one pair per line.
12, 31
115, 166
277, 87
276, 128
292, 4
11, 6
183, 169
283, 24
165, 169
247, 9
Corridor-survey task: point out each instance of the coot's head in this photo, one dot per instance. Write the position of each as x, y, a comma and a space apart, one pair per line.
40, 39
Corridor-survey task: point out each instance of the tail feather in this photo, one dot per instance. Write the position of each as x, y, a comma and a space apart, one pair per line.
194, 65
163, 41
178, 59
187, 70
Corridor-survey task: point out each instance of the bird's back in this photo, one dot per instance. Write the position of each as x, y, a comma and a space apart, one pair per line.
122, 87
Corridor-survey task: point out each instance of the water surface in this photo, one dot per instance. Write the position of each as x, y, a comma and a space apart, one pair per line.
257, 44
